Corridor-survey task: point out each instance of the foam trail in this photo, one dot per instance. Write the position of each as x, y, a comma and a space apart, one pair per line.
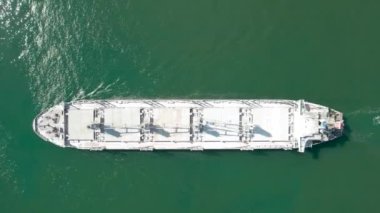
95, 90
79, 95
111, 84
376, 120
100, 89
366, 111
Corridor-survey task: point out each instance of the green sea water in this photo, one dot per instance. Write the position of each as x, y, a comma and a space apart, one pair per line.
327, 52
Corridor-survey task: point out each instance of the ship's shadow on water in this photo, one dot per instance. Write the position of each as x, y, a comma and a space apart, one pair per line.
317, 150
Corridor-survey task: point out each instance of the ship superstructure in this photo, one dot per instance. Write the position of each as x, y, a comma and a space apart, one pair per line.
195, 125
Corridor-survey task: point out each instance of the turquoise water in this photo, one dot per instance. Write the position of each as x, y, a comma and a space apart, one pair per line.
55, 50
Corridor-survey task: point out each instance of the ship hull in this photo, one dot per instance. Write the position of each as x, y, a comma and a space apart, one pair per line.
196, 125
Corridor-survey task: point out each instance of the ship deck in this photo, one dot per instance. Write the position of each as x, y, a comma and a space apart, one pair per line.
180, 124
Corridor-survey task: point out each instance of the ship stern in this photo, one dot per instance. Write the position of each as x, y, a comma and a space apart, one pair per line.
317, 124
332, 126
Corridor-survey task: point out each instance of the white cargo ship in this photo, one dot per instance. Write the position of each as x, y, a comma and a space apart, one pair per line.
195, 125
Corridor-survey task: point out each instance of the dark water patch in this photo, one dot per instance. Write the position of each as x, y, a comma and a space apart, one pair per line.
10, 183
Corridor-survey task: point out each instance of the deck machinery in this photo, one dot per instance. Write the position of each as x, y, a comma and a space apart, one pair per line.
195, 125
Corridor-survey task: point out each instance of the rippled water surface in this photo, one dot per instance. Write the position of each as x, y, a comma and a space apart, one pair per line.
60, 50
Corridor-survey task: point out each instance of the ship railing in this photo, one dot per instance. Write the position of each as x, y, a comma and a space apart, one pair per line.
154, 103
196, 148
252, 103
247, 148
146, 148
286, 102
202, 103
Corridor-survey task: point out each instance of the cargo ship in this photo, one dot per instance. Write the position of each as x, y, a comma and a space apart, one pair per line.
195, 125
